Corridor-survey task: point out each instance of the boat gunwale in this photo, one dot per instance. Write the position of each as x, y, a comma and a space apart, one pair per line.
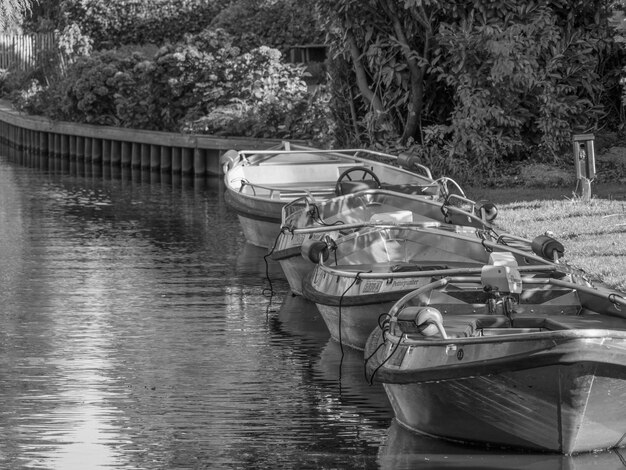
339, 153
556, 333
542, 268
566, 352
478, 222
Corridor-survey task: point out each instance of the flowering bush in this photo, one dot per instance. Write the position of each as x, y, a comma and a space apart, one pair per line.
203, 84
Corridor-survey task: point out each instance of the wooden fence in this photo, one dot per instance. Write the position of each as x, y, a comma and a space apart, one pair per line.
22, 51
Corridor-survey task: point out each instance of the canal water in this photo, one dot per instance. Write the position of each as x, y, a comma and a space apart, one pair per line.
139, 331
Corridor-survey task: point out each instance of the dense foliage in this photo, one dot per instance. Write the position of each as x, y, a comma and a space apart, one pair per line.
464, 84
111, 23
253, 23
278, 24
203, 84
12, 13
473, 81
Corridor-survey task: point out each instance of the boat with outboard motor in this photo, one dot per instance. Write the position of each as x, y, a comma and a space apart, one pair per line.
363, 273
306, 220
498, 358
260, 182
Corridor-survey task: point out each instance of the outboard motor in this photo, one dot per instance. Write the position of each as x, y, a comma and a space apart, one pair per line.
501, 278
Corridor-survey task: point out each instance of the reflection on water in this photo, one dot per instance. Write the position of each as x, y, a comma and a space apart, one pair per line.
138, 331
405, 450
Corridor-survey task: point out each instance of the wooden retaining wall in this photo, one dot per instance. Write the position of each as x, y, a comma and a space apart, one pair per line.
38, 141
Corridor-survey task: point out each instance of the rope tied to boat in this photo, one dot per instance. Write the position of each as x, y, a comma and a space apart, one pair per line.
370, 379
314, 213
444, 210
383, 321
488, 249
244, 182
357, 279
499, 238
613, 298
267, 268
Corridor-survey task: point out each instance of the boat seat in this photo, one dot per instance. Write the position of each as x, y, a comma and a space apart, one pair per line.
292, 191
462, 326
569, 322
301, 174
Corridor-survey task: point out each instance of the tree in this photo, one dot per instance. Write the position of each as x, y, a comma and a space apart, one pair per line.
484, 79
12, 12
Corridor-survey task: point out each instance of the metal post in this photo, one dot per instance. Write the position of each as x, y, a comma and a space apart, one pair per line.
584, 162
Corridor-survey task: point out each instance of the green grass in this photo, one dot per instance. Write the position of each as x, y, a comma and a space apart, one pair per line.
593, 232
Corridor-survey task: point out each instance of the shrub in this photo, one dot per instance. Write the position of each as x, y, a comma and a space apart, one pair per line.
278, 24
203, 84
112, 23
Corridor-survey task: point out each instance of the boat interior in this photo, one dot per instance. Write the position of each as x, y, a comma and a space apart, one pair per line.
534, 310
290, 181
319, 179
403, 254
379, 209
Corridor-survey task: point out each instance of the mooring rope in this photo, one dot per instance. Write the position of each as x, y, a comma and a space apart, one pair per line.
267, 268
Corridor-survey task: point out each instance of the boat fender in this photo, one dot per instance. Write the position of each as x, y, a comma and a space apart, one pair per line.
486, 210
314, 250
548, 247
228, 159
432, 320
408, 161
427, 321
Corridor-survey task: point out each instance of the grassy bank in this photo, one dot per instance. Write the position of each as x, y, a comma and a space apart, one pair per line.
593, 232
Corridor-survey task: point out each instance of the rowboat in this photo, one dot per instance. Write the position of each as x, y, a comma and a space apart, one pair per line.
498, 358
363, 273
260, 182
306, 220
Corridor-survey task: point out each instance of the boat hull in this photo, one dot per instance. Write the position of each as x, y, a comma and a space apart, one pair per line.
351, 322
259, 218
559, 391
351, 326
295, 268
562, 408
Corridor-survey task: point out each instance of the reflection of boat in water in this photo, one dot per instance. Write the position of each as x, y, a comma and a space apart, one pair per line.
346, 371
403, 450
252, 261
300, 319
341, 394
